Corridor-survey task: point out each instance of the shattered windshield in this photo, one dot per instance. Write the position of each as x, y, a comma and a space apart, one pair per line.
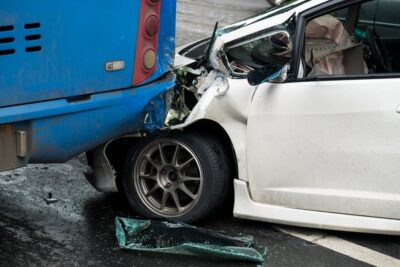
283, 7
254, 53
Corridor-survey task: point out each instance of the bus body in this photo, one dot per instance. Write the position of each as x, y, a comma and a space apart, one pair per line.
75, 74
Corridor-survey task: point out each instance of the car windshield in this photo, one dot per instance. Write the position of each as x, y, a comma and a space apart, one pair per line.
271, 11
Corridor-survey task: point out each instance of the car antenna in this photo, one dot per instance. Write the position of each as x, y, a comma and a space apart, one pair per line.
212, 40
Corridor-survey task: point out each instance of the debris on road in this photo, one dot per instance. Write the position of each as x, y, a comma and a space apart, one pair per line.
180, 238
50, 199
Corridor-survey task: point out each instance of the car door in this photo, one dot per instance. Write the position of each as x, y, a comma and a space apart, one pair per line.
329, 145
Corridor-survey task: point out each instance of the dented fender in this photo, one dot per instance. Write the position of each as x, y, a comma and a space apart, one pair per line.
225, 101
215, 85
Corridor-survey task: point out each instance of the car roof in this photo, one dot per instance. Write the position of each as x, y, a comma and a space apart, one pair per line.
268, 18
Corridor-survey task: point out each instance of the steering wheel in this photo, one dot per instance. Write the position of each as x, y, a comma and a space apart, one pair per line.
379, 52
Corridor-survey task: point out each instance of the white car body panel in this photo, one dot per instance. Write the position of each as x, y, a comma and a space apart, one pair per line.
331, 146
230, 111
247, 208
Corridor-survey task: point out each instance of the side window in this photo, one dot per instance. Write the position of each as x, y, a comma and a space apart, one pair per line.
256, 52
387, 22
387, 26
347, 42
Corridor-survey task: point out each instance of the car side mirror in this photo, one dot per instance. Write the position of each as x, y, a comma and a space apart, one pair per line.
265, 74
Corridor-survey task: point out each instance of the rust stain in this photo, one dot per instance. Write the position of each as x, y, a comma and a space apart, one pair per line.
7, 148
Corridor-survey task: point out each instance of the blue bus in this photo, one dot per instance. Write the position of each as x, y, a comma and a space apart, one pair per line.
75, 74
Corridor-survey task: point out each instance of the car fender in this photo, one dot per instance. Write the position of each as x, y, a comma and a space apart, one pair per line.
228, 107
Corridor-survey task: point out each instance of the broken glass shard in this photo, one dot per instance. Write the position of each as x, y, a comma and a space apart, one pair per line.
180, 238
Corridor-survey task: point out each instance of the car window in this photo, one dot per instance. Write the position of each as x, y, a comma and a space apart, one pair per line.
257, 52
387, 23
347, 42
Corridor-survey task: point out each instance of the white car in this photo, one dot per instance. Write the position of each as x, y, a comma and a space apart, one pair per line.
298, 108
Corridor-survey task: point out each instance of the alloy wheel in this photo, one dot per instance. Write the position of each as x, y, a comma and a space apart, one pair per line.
168, 177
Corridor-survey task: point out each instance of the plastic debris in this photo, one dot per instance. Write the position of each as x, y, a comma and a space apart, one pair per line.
180, 238
50, 199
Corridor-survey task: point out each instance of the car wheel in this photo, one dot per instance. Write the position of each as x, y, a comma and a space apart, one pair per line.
180, 176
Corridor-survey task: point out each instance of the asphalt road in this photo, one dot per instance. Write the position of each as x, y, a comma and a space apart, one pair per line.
79, 228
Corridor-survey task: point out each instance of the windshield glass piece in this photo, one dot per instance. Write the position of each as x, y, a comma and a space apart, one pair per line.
179, 238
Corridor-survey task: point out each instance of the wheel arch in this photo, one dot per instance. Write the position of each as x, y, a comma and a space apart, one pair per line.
116, 150
106, 162
211, 127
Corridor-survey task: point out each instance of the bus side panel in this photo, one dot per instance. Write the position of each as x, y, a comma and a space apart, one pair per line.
59, 49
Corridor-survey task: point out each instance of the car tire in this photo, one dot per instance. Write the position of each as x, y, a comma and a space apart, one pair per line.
181, 176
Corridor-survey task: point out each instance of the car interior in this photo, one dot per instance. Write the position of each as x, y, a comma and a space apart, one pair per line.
351, 41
